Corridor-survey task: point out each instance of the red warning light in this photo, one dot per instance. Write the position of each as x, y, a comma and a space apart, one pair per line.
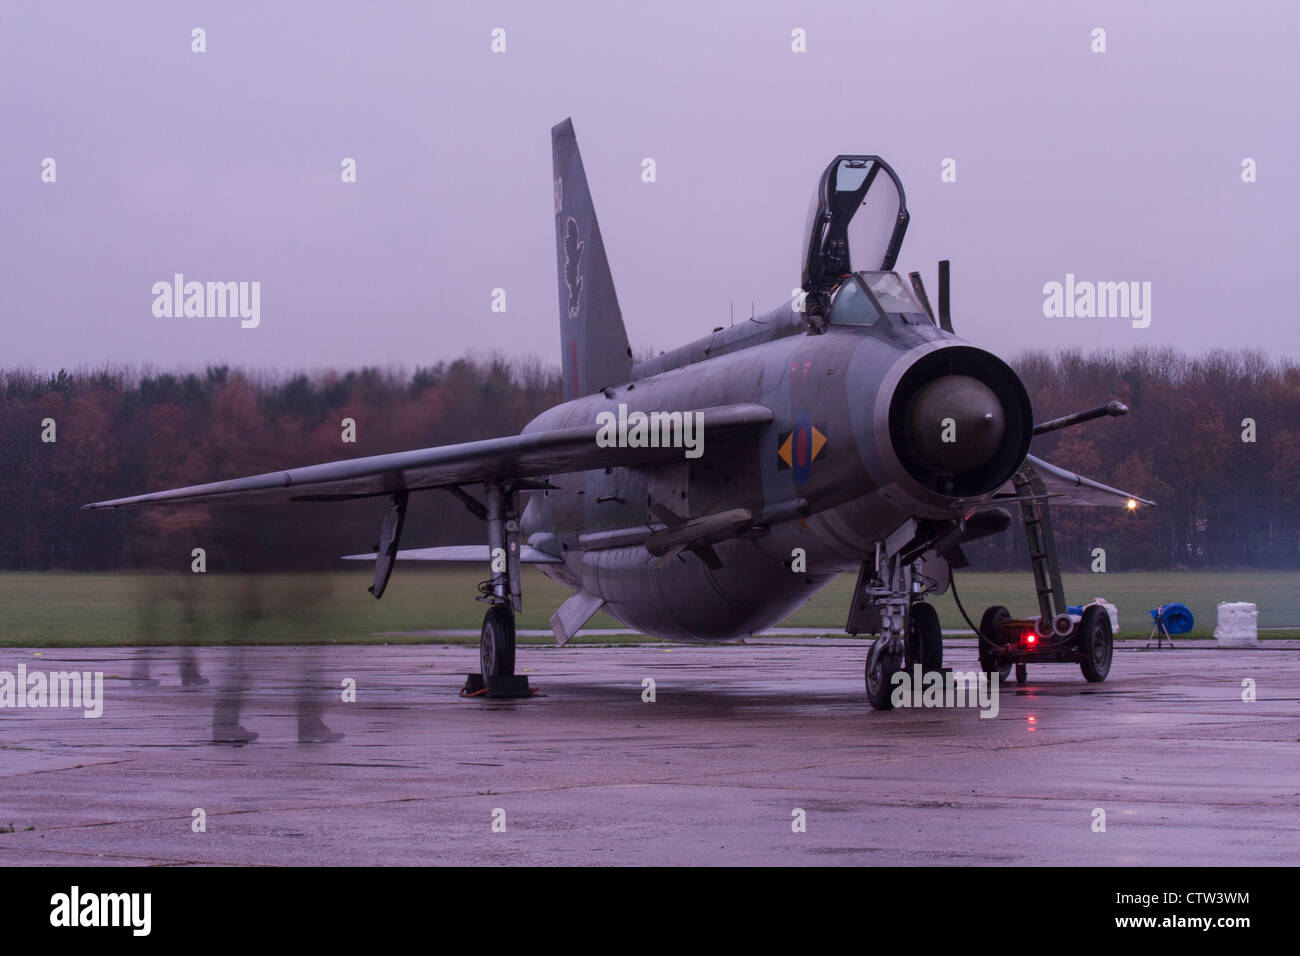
1031, 638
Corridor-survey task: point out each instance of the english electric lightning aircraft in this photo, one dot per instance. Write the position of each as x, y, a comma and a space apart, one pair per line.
849, 430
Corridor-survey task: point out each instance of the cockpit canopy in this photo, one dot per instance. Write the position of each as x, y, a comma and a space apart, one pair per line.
855, 223
861, 299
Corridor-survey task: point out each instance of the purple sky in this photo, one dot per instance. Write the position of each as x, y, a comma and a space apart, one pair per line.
225, 166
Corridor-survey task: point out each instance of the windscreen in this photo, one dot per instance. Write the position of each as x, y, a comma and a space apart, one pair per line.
852, 306
890, 292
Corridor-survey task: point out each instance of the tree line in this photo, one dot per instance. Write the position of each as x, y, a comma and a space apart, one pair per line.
1214, 439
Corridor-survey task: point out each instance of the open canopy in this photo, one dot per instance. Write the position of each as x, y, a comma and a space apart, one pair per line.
856, 221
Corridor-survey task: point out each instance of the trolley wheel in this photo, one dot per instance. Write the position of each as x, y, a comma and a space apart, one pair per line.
992, 616
496, 646
1022, 674
1096, 643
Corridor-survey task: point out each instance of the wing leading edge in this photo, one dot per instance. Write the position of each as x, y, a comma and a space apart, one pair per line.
529, 455
467, 553
1068, 488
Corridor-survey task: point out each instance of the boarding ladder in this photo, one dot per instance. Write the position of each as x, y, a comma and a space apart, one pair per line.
1043, 560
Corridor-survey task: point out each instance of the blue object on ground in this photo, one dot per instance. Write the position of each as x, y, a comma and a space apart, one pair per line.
1177, 617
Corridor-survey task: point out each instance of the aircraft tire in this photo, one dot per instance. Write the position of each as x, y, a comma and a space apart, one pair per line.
880, 669
1022, 674
927, 636
1096, 644
496, 646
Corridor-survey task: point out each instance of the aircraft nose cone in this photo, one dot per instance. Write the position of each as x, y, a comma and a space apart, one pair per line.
956, 423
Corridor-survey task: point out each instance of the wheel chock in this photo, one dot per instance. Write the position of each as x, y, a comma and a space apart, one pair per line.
497, 687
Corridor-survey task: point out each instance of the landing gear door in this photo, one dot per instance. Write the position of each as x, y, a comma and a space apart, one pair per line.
856, 221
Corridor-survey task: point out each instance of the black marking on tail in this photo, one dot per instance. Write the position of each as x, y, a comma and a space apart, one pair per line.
573, 265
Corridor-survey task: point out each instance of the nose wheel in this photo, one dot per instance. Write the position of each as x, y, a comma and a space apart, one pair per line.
882, 663
924, 646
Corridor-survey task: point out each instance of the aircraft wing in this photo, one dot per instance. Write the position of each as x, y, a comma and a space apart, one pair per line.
1066, 487
528, 455
468, 553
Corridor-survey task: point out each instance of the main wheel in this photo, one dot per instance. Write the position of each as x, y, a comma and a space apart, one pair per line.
496, 646
927, 637
882, 664
992, 616
1096, 643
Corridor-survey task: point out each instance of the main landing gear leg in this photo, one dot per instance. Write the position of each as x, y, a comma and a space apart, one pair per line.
502, 594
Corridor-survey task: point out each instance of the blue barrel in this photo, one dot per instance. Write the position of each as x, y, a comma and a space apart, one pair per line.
1177, 617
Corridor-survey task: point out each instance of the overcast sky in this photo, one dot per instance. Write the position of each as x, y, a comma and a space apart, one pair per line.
1116, 166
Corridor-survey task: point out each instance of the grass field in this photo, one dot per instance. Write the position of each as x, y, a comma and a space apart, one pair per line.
55, 609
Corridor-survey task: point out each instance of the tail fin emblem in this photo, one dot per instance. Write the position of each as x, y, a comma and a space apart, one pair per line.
573, 265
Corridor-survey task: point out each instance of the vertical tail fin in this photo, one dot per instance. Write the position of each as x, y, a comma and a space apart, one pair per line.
593, 342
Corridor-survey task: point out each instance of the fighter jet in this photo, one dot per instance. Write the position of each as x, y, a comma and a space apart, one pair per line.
706, 493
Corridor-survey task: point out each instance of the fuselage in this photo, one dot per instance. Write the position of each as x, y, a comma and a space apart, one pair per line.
834, 473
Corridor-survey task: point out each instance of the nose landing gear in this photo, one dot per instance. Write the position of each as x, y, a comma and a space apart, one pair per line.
889, 602
924, 646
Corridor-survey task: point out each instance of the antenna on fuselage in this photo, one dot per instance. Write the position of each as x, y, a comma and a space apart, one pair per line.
945, 316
